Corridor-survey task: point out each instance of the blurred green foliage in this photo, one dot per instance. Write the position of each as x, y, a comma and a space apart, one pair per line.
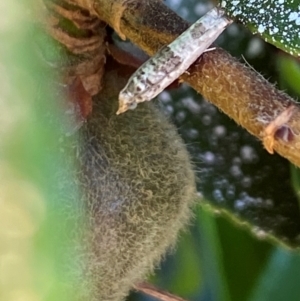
31, 215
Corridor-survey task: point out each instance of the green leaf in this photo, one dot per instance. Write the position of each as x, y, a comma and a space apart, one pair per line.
186, 267
280, 280
295, 172
289, 73
31, 215
215, 282
242, 255
278, 22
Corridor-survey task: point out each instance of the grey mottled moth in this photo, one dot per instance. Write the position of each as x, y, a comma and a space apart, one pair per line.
172, 60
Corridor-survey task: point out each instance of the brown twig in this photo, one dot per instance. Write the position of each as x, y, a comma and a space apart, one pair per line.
151, 290
241, 93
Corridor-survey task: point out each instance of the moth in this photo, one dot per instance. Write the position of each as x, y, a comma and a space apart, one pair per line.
172, 60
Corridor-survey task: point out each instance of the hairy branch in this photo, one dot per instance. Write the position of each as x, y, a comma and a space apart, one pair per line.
234, 88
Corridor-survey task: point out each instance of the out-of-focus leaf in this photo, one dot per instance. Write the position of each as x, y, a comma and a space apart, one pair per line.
280, 280
215, 285
278, 22
32, 218
183, 268
289, 73
187, 276
295, 172
244, 257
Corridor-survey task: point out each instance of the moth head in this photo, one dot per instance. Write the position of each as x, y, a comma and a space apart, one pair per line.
126, 101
